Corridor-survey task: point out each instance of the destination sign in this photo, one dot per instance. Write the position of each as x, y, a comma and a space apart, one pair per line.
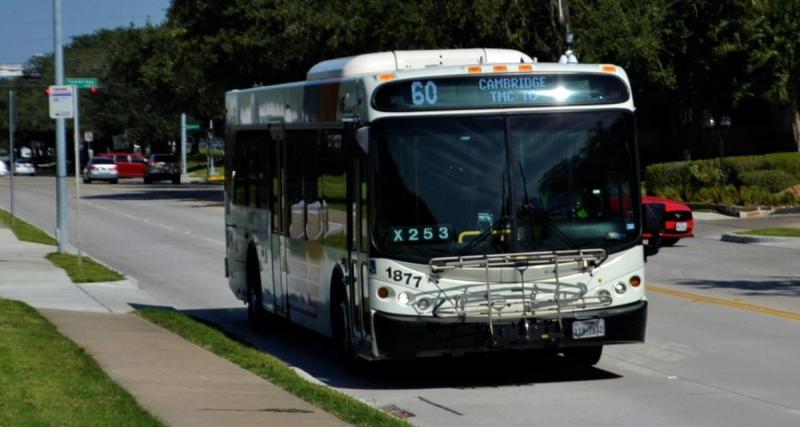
493, 91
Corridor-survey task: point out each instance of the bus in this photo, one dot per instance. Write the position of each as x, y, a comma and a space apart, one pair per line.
439, 202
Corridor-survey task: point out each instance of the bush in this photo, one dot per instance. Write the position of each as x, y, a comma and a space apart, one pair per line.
772, 180
742, 180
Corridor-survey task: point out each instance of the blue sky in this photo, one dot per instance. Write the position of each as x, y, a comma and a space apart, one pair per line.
26, 26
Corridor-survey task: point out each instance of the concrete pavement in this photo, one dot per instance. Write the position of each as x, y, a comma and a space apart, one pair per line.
720, 227
177, 381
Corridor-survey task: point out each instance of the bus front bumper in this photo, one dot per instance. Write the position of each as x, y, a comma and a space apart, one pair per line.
412, 336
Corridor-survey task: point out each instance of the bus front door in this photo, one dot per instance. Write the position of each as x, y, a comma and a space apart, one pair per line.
359, 241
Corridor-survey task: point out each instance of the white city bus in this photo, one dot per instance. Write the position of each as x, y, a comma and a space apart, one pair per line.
421, 203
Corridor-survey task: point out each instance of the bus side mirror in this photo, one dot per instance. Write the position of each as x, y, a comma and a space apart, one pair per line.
362, 138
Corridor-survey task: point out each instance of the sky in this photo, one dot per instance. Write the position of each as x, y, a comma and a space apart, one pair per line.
26, 26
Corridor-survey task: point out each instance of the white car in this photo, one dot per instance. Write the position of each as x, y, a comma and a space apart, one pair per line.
3, 168
24, 166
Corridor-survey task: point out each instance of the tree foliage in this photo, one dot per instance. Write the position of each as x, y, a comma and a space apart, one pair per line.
685, 58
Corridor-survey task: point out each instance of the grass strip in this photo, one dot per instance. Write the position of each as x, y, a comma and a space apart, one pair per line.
773, 232
25, 231
46, 379
89, 271
271, 369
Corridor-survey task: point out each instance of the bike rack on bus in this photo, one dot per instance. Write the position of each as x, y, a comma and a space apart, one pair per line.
486, 298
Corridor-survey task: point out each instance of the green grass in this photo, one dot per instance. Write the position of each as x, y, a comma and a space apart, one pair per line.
773, 232
87, 272
272, 369
25, 231
47, 380
196, 164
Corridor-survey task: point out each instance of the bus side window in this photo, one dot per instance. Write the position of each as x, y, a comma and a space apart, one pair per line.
296, 154
276, 181
311, 173
240, 164
332, 189
261, 168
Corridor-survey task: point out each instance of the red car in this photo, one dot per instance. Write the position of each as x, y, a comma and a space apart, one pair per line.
129, 165
678, 221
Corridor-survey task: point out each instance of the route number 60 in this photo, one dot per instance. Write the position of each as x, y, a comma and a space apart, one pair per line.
426, 93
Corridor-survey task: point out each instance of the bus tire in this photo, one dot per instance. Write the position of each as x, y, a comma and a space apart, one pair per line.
256, 316
583, 356
340, 324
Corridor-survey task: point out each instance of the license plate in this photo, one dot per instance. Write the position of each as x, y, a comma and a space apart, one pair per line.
681, 226
588, 328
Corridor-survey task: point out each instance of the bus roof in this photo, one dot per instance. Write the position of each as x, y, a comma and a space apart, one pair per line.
398, 60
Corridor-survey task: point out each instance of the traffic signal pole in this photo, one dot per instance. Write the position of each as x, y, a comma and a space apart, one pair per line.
62, 235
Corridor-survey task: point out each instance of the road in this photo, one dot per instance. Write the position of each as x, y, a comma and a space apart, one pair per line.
723, 341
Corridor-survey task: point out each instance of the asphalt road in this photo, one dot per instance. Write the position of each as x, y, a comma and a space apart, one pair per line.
723, 342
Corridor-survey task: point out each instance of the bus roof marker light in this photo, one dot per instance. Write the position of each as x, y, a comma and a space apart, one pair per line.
608, 68
526, 67
500, 68
386, 77
475, 69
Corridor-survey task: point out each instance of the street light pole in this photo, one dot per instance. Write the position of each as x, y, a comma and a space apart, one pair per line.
62, 235
12, 122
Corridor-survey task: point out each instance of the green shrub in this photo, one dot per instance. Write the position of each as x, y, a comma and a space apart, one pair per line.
772, 180
742, 180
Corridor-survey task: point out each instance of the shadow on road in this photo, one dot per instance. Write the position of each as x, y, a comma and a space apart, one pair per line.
778, 286
314, 354
213, 194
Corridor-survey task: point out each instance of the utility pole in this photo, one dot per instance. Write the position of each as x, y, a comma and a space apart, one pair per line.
62, 235
183, 144
12, 123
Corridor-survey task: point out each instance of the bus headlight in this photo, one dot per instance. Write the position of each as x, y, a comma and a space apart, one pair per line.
403, 298
604, 296
620, 288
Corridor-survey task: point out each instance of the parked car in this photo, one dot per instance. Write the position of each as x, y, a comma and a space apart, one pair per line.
24, 166
3, 168
100, 169
162, 167
678, 220
129, 165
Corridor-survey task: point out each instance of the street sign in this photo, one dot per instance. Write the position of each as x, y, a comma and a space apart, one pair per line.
88, 136
192, 126
81, 82
62, 102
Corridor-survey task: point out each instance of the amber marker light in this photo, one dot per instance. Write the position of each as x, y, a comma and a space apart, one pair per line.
609, 68
474, 69
526, 67
386, 77
635, 281
500, 68
383, 293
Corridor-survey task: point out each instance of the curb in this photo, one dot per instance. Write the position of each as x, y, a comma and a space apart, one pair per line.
738, 238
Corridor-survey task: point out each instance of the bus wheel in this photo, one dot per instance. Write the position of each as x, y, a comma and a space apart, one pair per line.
255, 298
340, 325
583, 356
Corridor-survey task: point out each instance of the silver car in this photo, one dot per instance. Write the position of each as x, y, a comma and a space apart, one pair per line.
24, 166
100, 169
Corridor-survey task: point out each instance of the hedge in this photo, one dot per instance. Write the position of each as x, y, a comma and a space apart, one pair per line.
742, 180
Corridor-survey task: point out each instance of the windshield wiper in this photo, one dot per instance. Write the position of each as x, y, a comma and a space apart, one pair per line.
533, 213
486, 233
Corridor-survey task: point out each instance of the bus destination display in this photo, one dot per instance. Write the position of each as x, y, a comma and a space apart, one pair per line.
500, 92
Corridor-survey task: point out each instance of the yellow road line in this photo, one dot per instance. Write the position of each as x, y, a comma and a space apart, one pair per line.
721, 301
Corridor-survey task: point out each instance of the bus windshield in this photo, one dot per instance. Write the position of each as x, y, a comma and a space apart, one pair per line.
466, 185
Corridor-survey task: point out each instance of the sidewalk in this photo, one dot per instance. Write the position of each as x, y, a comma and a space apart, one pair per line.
177, 381
719, 227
